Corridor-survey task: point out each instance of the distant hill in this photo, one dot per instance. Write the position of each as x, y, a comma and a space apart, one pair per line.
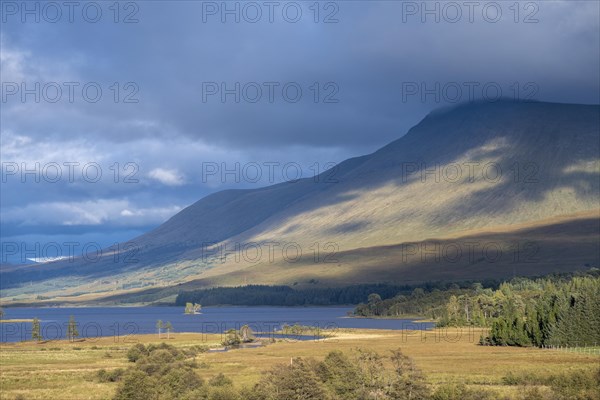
519, 179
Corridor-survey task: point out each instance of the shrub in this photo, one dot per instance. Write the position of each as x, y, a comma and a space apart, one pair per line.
341, 375
136, 352
409, 381
175, 352
200, 349
191, 364
224, 393
296, 382
164, 370
568, 385
220, 380
110, 376
232, 338
136, 385
577, 385
200, 393
534, 393
462, 392
159, 362
179, 381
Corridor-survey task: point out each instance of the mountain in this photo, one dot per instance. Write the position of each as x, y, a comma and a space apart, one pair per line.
478, 190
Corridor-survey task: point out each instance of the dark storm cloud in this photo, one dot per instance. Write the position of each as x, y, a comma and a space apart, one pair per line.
362, 65
367, 55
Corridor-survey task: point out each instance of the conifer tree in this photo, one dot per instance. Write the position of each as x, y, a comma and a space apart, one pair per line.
36, 333
72, 332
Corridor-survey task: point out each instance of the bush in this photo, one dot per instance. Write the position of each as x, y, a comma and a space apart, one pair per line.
200, 393
136, 352
110, 376
341, 375
165, 372
168, 347
136, 385
159, 362
224, 393
220, 380
192, 351
577, 385
179, 381
200, 349
462, 392
534, 393
232, 338
295, 382
409, 381
584, 385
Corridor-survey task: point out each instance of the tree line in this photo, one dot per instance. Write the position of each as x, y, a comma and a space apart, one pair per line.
550, 311
264, 295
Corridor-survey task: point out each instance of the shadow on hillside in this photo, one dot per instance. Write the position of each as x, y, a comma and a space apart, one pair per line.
550, 137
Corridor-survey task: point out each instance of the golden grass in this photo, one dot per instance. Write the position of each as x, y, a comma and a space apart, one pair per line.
63, 370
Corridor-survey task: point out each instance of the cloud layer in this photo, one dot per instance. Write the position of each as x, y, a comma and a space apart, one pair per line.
141, 119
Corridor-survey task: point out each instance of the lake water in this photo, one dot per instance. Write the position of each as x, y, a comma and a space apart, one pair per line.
120, 322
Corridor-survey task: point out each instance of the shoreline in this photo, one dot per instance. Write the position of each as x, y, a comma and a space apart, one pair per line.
412, 318
2, 321
138, 305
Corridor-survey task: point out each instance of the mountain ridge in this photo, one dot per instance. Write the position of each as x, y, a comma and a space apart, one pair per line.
547, 155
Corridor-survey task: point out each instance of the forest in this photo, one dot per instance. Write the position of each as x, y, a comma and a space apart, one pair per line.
264, 295
555, 310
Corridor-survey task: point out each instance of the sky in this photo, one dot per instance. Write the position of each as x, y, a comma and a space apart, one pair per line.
115, 117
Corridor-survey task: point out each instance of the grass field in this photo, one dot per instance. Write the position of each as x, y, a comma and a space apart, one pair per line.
63, 370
